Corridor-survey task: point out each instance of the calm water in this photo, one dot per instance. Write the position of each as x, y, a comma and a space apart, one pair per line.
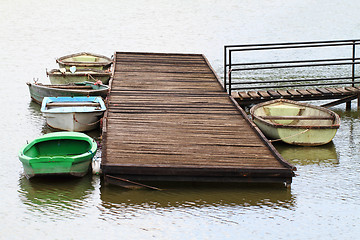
323, 201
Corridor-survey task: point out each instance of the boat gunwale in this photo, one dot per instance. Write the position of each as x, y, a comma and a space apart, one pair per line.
80, 72
59, 136
108, 61
94, 99
336, 118
70, 85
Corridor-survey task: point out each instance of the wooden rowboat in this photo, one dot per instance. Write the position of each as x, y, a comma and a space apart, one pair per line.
65, 153
296, 123
85, 60
57, 76
78, 114
38, 91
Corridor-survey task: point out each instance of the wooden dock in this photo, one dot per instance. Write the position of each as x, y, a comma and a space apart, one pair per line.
342, 94
169, 119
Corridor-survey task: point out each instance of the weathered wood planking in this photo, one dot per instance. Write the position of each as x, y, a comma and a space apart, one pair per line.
252, 97
168, 118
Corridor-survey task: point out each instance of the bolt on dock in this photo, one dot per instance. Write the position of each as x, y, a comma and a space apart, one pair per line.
169, 119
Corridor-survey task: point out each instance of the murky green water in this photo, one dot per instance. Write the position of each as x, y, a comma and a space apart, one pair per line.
323, 202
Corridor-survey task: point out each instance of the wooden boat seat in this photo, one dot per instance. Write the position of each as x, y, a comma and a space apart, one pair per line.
85, 59
297, 117
72, 104
283, 110
73, 87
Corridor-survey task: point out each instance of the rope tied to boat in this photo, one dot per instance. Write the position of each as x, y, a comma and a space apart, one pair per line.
276, 140
89, 76
88, 124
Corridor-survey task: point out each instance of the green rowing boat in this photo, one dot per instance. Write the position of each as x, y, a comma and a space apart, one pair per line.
59, 153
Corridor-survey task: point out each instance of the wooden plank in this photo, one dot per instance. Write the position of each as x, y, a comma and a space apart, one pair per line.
284, 93
235, 94
324, 91
352, 89
253, 94
264, 94
72, 104
243, 95
274, 93
343, 90
333, 90
304, 92
314, 92
340, 101
294, 92
296, 118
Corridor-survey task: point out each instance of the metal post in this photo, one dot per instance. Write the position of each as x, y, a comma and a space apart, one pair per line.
230, 72
353, 64
225, 68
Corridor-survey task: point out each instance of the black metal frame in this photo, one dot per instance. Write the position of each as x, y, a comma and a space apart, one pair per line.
230, 67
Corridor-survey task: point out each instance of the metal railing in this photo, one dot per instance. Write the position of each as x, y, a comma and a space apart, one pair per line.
232, 65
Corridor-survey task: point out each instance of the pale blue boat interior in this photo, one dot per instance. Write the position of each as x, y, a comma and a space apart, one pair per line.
77, 107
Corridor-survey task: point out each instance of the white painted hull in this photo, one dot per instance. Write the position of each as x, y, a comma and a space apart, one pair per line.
77, 122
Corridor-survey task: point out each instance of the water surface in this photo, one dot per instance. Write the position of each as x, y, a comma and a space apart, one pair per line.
323, 201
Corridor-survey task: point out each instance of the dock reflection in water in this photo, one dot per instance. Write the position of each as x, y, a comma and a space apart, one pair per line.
207, 200
300, 155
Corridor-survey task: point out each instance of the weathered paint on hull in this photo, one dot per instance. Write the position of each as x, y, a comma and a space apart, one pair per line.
58, 78
38, 92
85, 60
87, 66
56, 166
298, 136
76, 122
295, 122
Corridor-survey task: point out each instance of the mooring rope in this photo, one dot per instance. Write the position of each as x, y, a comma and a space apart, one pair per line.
89, 76
88, 124
275, 140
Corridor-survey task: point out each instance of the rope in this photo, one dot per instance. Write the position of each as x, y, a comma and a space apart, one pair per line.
275, 140
88, 124
89, 76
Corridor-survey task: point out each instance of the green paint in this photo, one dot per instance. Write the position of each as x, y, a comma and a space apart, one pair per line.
58, 153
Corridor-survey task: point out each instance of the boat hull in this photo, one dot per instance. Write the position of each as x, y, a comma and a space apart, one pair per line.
61, 153
76, 122
56, 77
39, 91
298, 136
295, 123
78, 114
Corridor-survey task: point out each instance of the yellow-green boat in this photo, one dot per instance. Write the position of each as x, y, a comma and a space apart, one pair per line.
57, 76
296, 123
85, 60
59, 153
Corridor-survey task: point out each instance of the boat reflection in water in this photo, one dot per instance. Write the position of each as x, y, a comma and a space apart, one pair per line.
56, 197
299, 155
